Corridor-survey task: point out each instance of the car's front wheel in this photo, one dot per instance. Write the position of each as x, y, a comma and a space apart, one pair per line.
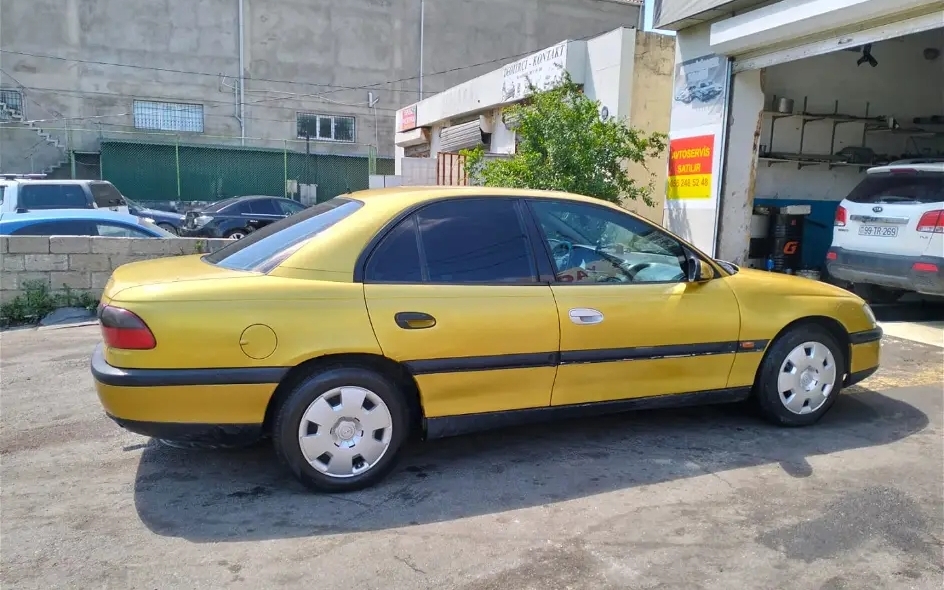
341, 430
800, 376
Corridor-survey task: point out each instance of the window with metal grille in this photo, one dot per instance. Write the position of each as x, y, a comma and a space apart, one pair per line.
168, 116
325, 127
11, 104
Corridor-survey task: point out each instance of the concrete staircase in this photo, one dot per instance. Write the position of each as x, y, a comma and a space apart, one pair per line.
25, 147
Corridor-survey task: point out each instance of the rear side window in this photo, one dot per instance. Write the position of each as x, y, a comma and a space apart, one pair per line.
460, 241
58, 228
899, 188
263, 207
53, 196
264, 249
106, 195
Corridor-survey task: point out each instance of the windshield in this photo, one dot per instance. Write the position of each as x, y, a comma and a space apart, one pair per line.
264, 249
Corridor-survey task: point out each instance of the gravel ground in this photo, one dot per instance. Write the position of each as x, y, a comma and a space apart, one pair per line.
700, 498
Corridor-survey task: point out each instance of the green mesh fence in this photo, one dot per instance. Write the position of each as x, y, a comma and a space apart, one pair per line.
168, 167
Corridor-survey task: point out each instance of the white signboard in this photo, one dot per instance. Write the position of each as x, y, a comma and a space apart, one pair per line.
543, 69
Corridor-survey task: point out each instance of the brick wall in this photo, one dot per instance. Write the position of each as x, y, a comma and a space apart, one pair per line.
82, 263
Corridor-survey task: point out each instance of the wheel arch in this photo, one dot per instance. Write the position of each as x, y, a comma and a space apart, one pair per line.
831, 325
385, 366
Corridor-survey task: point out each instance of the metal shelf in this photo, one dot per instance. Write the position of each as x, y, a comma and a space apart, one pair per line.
802, 163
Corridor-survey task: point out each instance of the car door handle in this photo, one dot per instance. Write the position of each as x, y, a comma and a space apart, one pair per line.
414, 320
583, 316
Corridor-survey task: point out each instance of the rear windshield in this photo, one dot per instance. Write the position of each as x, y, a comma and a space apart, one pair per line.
264, 249
924, 187
52, 196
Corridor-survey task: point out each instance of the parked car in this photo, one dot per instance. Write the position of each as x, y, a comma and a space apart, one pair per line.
888, 236
166, 220
20, 193
344, 329
237, 217
80, 222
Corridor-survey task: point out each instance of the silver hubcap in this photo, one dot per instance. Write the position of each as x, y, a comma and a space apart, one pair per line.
237, 236
807, 377
345, 432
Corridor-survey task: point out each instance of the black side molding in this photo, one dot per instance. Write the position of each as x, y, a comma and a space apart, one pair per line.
853, 378
866, 336
213, 434
109, 375
468, 423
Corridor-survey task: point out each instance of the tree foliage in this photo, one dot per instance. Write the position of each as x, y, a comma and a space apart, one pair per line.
565, 145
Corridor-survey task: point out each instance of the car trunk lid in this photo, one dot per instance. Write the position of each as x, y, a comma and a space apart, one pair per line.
172, 269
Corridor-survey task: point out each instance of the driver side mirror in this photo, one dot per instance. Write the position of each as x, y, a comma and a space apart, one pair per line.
697, 271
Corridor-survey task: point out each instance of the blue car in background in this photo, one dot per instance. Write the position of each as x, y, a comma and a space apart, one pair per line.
167, 220
80, 222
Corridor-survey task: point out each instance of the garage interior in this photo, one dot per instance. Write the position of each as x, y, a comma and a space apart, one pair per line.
826, 120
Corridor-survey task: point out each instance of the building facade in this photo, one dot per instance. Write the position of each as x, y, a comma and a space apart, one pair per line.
312, 75
628, 71
787, 103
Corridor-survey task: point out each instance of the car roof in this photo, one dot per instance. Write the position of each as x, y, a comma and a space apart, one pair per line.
71, 214
63, 181
920, 164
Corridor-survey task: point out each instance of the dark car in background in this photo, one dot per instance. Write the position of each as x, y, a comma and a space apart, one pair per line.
237, 217
166, 220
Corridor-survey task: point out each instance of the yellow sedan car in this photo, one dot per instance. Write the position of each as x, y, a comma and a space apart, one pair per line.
344, 329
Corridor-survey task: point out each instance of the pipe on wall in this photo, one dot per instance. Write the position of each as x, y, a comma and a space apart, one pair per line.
422, 39
242, 77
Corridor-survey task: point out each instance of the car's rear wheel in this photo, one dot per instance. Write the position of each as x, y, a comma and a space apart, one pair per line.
800, 376
341, 430
877, 294
236, 234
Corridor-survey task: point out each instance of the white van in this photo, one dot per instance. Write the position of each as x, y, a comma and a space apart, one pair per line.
21, 193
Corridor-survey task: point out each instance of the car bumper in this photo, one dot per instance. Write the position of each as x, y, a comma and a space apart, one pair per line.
866, 355
183, 404
198, 232
888, 270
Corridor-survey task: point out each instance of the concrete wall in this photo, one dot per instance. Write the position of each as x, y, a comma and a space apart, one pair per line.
650, 107
81, 263
322, 48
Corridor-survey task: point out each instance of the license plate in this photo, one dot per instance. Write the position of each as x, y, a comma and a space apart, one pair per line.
879, 231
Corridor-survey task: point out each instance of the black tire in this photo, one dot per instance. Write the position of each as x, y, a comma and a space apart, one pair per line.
231, 234
766, 394
292, 410
877, 294
168, 228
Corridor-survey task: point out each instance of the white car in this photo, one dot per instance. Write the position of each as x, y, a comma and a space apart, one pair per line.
28, 192
888, 236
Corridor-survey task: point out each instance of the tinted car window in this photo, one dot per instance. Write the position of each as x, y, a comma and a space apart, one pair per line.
106, 195
289, 207
475, 241
53, 196
397, 258
236, 208
219, 205
899, 188
263, 207
58, 228
264, 249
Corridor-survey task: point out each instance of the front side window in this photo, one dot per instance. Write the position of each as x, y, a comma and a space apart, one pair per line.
106, 195
591, 245
263, 249
289, 207
53, 196
116, 230
457, 241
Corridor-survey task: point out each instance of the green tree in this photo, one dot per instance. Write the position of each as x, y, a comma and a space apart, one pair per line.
564, 145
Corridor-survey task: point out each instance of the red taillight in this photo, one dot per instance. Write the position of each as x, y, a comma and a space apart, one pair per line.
832, 256
123, 329
932, 221
840, 216
924, 267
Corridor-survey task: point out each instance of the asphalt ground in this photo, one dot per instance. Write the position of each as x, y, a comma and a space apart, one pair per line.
683, 499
